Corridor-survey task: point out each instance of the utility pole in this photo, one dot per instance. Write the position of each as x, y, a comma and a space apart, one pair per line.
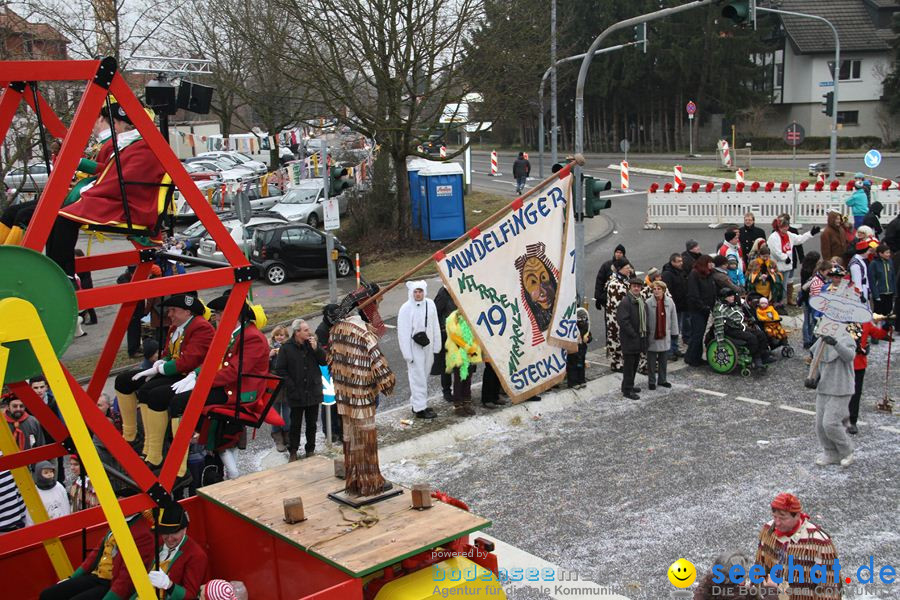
329, 238
553, 114
579, 122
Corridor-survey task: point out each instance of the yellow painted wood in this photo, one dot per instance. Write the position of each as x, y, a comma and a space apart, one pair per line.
20, 321
28, 490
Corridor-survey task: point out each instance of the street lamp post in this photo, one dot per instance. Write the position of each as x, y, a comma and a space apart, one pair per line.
836, 77
579, 121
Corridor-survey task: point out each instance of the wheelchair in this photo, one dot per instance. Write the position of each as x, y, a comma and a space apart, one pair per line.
727, 354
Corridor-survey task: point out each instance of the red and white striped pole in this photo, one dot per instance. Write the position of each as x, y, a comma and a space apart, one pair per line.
443, 152
679, 180
739, 176
495, 167
821, 177
623, 176
357, 270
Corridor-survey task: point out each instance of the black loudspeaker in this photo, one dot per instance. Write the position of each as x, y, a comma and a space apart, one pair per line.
194, 97
160, 96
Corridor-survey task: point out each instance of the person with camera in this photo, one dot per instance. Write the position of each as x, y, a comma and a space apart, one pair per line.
419, 335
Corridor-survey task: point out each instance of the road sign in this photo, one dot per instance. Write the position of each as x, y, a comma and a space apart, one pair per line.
327, 386
691, 108
332, 214
794, 134
872, 158
826, 84
625, 146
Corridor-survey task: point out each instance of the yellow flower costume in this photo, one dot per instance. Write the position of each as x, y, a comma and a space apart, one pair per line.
462, 349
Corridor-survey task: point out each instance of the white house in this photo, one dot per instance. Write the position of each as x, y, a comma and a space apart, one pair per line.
801, 71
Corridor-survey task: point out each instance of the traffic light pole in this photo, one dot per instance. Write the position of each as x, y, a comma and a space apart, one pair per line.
836, 78
547, 73
579, 122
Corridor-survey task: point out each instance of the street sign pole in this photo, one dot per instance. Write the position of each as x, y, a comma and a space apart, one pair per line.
691, 134
794, 179
329, 239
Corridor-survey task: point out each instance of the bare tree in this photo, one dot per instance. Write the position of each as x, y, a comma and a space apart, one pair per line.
385, 68
117, 28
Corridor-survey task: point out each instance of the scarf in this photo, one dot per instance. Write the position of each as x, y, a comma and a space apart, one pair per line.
18, 434
785, 242
779, 533
642, 315
660, 332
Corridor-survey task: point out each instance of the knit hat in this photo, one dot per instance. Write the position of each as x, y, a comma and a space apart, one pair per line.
691, 244
788, 502
732, 259
726, 292
619, 263
151, 347
219, 589
619, 248
653, 272
39, 480
730, 234
763, 302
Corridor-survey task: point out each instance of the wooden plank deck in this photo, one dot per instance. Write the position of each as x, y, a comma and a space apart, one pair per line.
399, 532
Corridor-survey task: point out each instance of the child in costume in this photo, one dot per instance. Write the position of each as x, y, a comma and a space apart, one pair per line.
575, 361
463, 353
771, 322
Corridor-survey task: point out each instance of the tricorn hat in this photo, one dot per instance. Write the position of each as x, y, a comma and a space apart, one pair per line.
187, 300
171, 519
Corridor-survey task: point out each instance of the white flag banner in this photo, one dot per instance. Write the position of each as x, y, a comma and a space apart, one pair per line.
515, 284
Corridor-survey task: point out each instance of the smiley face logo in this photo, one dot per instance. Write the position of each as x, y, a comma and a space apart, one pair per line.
682, 573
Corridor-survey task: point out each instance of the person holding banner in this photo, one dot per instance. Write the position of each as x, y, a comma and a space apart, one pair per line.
419, 336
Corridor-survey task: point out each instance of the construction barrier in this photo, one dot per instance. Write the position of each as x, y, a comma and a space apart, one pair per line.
623, 177
707, 205
495, 167
724, 153
739, 176
357, 271
443, 152
678, 179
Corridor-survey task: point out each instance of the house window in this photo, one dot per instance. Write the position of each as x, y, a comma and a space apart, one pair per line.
851, 70
848, 117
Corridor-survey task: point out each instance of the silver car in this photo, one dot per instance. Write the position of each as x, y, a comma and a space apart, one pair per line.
31, 180
242, 234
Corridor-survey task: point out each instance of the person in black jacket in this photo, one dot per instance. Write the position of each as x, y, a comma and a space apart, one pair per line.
691, 253
873, 217
521, 171
445, 305
748, 234
892, 239
675, 278
701, 297
603, 276
631, 316
298, 363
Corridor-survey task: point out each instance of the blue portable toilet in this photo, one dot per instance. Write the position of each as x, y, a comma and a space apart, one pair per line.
443, 209
413, 166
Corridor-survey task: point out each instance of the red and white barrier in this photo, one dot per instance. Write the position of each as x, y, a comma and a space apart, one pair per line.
495, 167
443, 152
738, 176
678, 180
724, 153
623, 176
357, 270
820, 178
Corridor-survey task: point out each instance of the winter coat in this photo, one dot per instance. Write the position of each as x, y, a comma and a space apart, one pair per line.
121, 587
689, 258
836, 367
663, 345
187, 352
255, 361
783, 260
299, 365
632, 338
701, 292
676, 281
858, 202
720, 276
881, 277
187, 570
603, 276
521, 168
748, 235
873, 218
729, 316
892, 235
834, 241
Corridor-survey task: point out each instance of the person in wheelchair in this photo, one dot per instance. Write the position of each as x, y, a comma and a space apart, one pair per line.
730, 321
770, 320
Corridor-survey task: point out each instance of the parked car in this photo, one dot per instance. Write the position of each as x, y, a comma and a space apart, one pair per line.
304, 203
31, 180
239, 159
228, 172
240, 233
292, 250
822, 167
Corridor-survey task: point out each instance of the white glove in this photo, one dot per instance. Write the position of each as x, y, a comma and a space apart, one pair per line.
160, 580
160, 366
148, 373
186, 384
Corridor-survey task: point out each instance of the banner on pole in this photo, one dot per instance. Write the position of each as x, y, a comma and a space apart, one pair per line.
515, 284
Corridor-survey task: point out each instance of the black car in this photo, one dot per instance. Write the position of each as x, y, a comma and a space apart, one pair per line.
294, 249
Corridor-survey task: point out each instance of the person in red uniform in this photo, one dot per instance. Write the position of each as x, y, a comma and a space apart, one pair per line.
188, 341
15, 218
861, 332
248, 349
180, 568
103, 573
102, 202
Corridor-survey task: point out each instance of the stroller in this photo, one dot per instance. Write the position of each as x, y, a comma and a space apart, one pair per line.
770, 322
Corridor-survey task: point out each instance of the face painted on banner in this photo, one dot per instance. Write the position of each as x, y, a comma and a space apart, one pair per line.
539, 282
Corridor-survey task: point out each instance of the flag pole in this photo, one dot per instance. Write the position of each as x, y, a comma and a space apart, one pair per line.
566, 170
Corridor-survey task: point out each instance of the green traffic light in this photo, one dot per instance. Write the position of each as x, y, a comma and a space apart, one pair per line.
593, 203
